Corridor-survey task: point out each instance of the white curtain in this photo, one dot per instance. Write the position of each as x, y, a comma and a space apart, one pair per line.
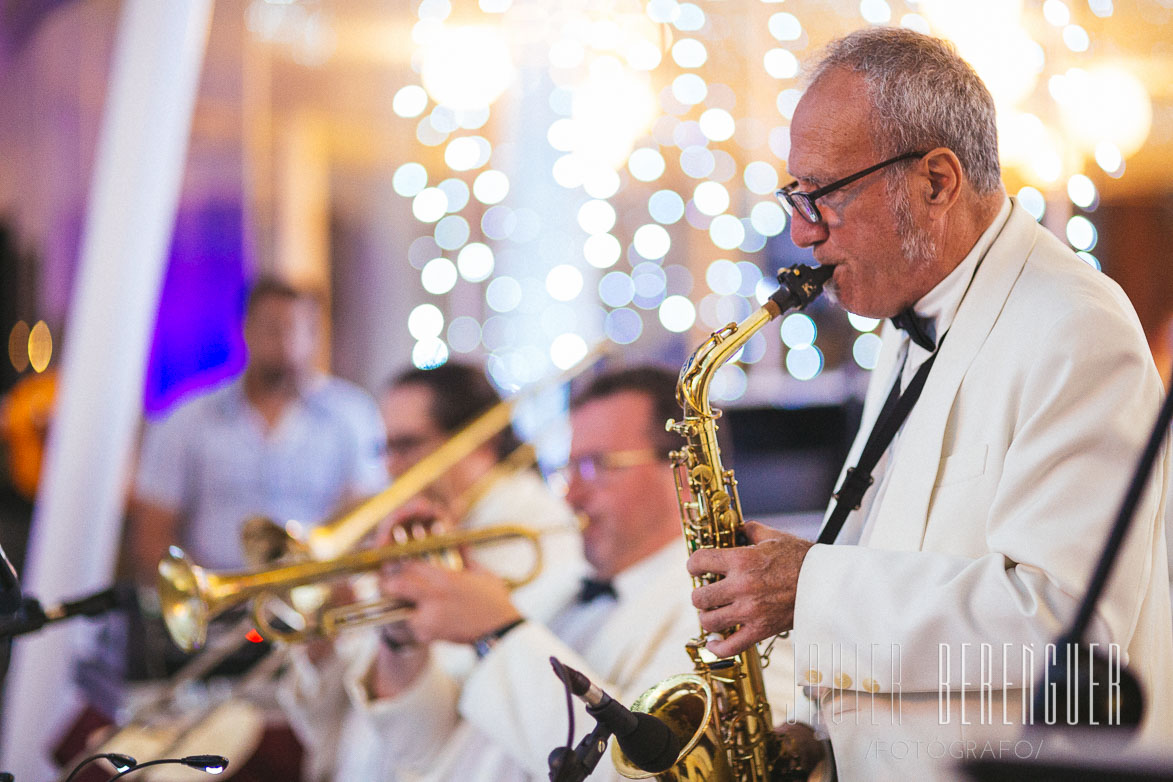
142, 148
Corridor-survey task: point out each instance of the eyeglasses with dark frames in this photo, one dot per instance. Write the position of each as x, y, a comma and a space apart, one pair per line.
804, 203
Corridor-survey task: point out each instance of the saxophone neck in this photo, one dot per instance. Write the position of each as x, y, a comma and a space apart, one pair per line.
798, 286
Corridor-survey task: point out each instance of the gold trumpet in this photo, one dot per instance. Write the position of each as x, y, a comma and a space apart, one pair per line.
265, 541
191, 596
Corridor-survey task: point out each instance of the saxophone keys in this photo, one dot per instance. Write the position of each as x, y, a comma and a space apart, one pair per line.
702, 474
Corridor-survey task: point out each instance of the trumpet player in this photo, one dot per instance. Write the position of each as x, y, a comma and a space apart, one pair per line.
422, 410
625, 625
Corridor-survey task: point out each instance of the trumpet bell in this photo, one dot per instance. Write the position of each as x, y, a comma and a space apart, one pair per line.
685, 703
181, 586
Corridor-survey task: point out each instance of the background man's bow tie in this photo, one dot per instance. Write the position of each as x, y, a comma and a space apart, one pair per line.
593, 588
921, 330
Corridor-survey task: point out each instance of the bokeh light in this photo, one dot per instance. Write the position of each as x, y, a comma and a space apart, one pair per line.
438, 276
677, 313
475, 262
409, 179
566, 350
18, 342
429, 205
860, 323
452, 232
503, 294
646, 164
711, 198
761, 178
804, 363
616, 289
429, 353
490, 187
726, 231
723, 277
464, 334
602, 250
666, 206
798, 330
1033, 201
564, 282
866, 350
425, 321
410, 101
1081, 233
651, 241
1082, 191
456, 191
466, 67
596, 216
623, 326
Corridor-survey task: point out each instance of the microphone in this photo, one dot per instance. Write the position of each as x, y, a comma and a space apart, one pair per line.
119, 761
647, 741
209, 764
9, 587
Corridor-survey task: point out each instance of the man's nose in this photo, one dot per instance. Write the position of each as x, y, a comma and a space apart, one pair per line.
576, 491
397, 465
804, 233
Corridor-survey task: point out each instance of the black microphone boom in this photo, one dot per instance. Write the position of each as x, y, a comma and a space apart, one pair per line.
9, 587
647, 741
31, 616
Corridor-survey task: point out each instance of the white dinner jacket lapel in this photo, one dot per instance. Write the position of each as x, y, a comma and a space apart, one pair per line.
900, 523
619, 653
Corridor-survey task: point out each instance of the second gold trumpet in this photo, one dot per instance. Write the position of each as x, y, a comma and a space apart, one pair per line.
191, 596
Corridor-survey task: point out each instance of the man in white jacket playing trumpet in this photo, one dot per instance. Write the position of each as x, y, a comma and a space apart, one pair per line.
625, 627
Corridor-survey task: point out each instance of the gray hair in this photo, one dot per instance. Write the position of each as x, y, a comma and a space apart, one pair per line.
923, 95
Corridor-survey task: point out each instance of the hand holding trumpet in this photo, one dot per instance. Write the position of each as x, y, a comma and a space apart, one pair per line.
458, 605
448, 605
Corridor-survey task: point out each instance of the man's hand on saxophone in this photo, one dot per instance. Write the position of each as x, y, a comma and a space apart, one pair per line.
757, 590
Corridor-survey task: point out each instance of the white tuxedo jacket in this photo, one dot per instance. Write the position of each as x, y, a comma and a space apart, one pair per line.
501, 723
1005, 481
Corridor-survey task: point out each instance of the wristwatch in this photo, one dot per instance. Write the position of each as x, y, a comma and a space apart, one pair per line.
487, 641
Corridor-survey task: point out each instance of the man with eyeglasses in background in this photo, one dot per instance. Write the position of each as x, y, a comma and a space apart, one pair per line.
981, 522
494, 484
625, 628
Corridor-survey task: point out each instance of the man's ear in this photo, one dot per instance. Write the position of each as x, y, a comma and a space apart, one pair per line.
944, 178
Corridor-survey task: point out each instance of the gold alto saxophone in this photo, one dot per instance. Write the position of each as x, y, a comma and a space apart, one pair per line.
720, 710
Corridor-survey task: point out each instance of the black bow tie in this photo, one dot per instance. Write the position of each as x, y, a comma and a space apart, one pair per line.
593, 588
919, 329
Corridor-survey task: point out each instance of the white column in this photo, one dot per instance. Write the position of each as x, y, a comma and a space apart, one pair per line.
138, 171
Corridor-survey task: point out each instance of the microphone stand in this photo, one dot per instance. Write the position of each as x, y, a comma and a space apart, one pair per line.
1058, 672
575, 765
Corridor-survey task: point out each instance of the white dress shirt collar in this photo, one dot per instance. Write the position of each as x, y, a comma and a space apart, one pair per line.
940, 304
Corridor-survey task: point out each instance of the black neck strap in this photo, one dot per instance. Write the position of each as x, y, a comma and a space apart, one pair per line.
891, 418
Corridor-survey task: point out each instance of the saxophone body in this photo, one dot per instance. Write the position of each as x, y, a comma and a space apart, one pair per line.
719, 710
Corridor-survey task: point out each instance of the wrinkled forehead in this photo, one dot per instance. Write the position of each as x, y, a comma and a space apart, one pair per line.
830, 132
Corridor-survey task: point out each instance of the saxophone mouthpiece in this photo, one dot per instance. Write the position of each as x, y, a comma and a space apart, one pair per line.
800, 285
